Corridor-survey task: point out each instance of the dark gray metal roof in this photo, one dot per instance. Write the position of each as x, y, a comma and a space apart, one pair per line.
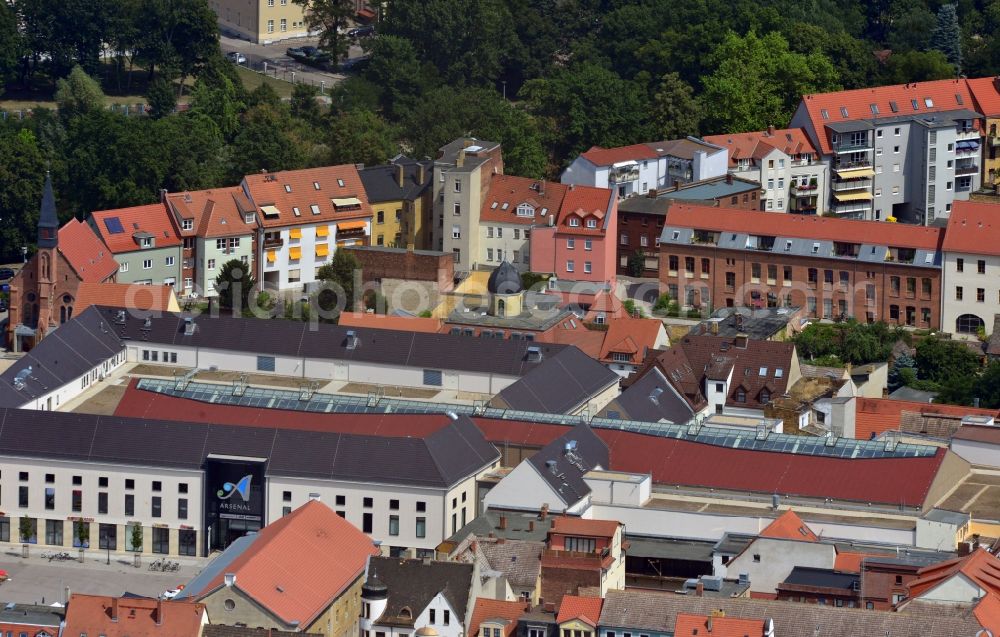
560, 385
651, 398
198, 585
821, 578
438, 460
318, 341
733, 543
32, 614
519, 526
65, 354
381, 182
948, 517
413, 584
563, 467
670, 549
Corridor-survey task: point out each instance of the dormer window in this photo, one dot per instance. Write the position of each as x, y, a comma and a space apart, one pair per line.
765, 397
525, 210
146, 242
248, 217
591, 223
741, 395
187, 224
574, 222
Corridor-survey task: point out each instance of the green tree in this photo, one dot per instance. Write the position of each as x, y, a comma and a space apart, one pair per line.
78, 94
917, 66
10, 44
758, 81
192, 152
676, 112
304, 105
339, 277
264, 94
221, 98
161, 97
947, 36
81, 530
22, 173
234, 284
637, 263
331, 18
266, 141
361, 137
940, 360
395, 69
902, 372
27, 528
136, 537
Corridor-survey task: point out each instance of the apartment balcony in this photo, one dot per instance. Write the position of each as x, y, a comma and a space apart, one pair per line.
851, 184
272, 243
851, 147
851, 207
966, 169
966, 134
807, 190
854, 169
994, 139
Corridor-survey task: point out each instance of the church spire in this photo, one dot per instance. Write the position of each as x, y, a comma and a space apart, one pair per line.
48, 221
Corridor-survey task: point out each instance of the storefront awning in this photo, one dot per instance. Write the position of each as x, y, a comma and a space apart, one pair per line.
853, 196
270, 211
855, 173
295, 253
322, 249
349, 226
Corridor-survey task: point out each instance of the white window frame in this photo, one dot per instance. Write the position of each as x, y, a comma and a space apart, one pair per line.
147, 264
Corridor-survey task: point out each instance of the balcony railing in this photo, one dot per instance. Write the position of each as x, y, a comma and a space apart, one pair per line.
966, 169
273, 243
853, 165
851, 184
803, 190
854, 206
853, 147
967, 134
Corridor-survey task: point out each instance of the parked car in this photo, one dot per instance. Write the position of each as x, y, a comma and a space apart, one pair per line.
360, 32
6, 273
236, 57
295, 52
310, 51
173, 592
3, 305
354, 64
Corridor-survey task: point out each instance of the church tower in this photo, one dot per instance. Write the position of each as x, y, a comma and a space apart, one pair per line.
48, 242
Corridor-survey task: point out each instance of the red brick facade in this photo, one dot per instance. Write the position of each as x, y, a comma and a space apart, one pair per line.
699, 275
639, 231
396, 263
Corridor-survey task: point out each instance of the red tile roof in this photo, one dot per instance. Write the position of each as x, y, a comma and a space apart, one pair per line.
153, 219
632, 336
214, 213
980, 566
137, 617
945, 95
494, 609
987, 613
300, 563
608, 156
878, 415
585, 202
789, 526
157, 298
291, 189
851, 562
584, 527
586, 609
90, 258
704, 626
970, 228
802, 226
791, 141
511, 191
986, 92
385, 322
896, 481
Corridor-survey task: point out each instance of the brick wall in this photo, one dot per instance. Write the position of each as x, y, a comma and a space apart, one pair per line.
394, 263
558, 581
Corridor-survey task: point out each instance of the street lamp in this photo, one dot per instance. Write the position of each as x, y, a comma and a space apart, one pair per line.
24, 253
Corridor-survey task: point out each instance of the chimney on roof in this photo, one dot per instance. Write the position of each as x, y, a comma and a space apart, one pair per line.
677, 184
531, 525
729, 178
713, 327
421, 173
708, 623
503, 523
460, 160
770, 130
740, 342
544, 512
163, 195
114, 609
159, 612
400, 175
230, 579
263, 171
699, 589
651, 193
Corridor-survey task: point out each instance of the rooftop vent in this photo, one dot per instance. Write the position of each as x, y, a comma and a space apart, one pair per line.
534, 353
188, 326
120, 317
655, 395
230, 579
147, 324
352, 340
570, 446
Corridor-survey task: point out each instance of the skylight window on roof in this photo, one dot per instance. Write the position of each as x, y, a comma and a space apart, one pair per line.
929, 257
340, 182
288, 188
825, 113
505, 206
843, 111
316, 185
874, 108
493, 206
815, 248
763, 371
296, 212
676, 234
114, 225
928, 102
894, 106
779, 372
915, 104
315, 209
958, 98
873, 249
544, 211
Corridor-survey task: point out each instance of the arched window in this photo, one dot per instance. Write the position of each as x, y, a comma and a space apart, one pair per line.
765, 396
741, 395
968, 324
501, 307
62, 314
406, 613
45, 266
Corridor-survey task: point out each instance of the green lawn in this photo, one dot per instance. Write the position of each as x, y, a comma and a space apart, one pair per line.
252, 80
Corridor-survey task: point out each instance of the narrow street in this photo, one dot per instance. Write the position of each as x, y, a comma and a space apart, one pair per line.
272, 59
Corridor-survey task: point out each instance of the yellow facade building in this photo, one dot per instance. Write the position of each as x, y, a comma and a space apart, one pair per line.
260, 21
400, 197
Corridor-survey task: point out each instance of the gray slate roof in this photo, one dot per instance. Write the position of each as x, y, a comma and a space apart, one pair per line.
517, 526
33, 614
564, 471
438, 460
821, 578
658, 611
413, 584
381, 183
650, 399
197, 586
559, 385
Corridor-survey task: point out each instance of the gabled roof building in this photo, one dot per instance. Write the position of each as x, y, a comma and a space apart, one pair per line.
144, 242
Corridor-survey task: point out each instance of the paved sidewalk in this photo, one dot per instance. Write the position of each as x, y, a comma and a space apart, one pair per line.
36, 580
280, 65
